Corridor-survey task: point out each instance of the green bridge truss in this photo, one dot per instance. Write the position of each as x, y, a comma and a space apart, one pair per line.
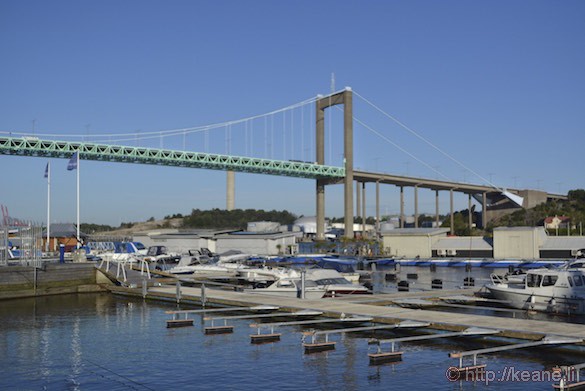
31, 146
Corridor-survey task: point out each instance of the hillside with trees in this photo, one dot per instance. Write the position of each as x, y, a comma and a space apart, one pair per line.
234, 219
574, 208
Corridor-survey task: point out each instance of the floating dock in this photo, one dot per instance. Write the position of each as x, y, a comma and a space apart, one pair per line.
509, 327
377, 312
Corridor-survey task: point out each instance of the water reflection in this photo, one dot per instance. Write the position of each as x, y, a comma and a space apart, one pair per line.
96, 342
46, 361
76, 355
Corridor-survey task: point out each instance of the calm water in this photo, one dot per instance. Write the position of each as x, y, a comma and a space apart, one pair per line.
100, 341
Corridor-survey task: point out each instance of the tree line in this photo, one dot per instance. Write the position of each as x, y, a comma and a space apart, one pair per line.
234, 219
573, 207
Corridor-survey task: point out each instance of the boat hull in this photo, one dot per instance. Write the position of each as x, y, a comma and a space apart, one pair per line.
309, 293
526, 299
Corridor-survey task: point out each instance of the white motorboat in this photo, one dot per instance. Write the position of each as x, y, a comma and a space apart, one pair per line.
160, 258
229, 268
291, 287
335, 283
204, 271
262, 275
558, 290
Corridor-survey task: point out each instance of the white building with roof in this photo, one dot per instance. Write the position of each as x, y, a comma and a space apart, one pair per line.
563, 247
518, 242
412, 242
274, 243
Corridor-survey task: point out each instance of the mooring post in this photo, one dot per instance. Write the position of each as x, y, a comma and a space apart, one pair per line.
178, 291
144, 288
203, 298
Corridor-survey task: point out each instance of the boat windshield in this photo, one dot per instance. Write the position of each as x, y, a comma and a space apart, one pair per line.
308, 283
549, 280
284, 283
533, 280
537, 280
332, 281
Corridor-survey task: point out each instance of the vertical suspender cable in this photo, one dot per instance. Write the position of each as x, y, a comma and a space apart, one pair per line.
246, 138
303, 133
330, 138
292, 133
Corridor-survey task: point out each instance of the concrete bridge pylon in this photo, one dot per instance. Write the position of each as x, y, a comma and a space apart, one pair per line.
345, 98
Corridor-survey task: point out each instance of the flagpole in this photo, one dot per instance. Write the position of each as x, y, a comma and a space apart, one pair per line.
78, 243
48, 246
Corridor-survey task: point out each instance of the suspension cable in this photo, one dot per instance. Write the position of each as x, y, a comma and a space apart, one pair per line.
413, 132
173, 132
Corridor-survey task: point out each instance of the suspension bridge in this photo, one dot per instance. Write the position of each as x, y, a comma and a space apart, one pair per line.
313, 169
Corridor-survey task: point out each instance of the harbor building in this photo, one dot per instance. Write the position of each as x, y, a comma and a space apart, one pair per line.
507, 243
265, 243
261, 238
412, 242
180, 241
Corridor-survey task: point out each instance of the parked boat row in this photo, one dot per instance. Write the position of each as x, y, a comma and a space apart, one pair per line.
486, 263
539, 285
270, 276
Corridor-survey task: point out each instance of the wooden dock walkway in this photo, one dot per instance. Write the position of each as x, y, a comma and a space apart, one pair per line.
371, 306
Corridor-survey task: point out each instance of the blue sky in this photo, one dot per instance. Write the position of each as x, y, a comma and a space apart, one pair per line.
498, 85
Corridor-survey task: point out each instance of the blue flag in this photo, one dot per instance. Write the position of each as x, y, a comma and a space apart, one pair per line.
72, 165
47, 171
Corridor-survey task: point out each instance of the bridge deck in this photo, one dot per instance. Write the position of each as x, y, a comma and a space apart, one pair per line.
166, 157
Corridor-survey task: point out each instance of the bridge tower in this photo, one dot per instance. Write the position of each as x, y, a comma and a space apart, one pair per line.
345, 98
230, 190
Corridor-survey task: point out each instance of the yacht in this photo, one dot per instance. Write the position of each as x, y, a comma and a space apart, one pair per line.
335, 283
557, 290
291, 287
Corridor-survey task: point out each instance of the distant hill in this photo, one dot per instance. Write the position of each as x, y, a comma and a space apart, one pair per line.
210, 219
237, 218
128, 229
574, 208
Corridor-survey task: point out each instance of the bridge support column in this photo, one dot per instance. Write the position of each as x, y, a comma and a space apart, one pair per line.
378, 207
484, 216
358, 202
348, 157
230, 190
437, 208
320, 210
470, 217
452, 213
364, 209
320, 159
401, 206
346, 98
416, 207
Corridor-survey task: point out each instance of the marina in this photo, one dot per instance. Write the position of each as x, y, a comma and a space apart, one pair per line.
208, 196
407, 310
138, 326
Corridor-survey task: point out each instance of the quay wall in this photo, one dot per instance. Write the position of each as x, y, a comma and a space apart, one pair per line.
51, 279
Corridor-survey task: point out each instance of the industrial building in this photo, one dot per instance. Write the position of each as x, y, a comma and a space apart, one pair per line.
507, 243
260, 238
268, 238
